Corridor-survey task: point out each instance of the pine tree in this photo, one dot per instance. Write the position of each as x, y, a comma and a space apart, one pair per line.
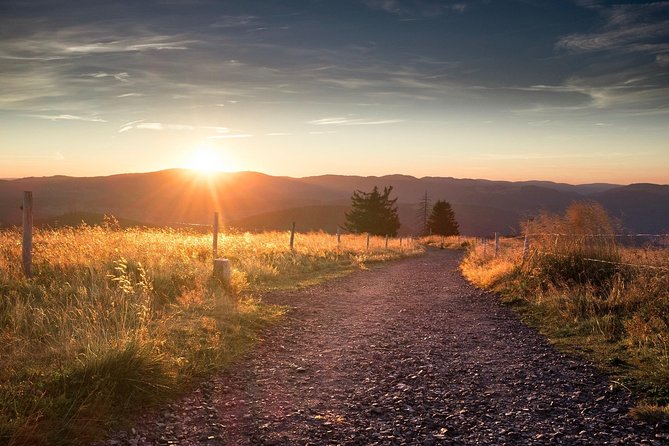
442, 220
373, 212
423, 214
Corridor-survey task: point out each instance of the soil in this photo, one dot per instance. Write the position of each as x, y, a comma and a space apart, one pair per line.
406, 354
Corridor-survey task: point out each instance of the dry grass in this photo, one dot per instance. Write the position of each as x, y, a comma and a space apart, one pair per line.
578, 289
116, 320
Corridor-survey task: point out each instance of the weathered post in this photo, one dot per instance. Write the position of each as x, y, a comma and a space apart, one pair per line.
496, 244
292, 237
338, 236
400, 242
386, 241
483, 240
222, 270
215, 241
368, 241
27, 246
525, 248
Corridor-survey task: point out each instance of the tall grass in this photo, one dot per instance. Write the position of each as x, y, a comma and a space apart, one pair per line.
116, 320
581, 288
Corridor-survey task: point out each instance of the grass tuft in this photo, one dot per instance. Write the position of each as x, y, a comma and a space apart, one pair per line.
115, 321
576, 286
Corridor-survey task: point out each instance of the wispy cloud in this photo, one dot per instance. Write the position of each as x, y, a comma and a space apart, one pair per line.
551, 156
350, 121
631, 27
144, 44
65, 117
55, 156
141, 125
277, 134
121, 77
58, 44
129, 95
413, 9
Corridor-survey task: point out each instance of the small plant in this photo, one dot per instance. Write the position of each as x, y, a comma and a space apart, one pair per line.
584, 291
115, 320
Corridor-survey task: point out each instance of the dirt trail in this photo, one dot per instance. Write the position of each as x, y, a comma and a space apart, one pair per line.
406, 354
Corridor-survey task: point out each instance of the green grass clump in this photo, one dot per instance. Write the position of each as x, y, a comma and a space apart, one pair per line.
115, 321
577, 287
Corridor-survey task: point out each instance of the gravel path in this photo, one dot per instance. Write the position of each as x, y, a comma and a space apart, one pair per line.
407, 354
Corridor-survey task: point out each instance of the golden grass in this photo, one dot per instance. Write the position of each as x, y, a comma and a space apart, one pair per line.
614, 313
117, 320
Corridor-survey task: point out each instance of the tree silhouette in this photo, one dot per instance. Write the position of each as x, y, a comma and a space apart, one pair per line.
423, 214
373, 212
442, 220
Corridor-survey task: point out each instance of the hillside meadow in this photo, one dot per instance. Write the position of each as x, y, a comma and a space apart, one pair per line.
116, 321
592, 292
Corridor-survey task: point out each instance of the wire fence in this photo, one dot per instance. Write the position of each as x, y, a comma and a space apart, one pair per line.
536, 244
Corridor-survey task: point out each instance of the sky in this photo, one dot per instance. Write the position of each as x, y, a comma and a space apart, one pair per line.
573, 91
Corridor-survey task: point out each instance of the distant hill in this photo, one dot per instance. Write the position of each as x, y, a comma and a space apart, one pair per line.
307, 218
251, 200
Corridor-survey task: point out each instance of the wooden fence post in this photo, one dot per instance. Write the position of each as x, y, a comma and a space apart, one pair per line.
400, 241
215, 240
386, 241
222, 270
483, 240
368, 241
525, 248
292, 237
496, 244
27, 246
338, 236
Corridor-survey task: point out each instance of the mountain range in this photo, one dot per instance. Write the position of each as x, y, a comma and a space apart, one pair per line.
255, 201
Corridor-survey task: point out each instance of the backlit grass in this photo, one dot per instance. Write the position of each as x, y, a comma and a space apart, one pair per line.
578, 285
115, 321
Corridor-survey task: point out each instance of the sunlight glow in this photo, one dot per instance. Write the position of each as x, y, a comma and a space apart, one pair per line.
206, 159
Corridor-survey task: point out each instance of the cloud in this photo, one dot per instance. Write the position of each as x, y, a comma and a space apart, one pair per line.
129, 95
55, 156
81, 40
141, 125
68, 118
235, 21
142, 44
349, 121
277, 134
551, 156
121, 77
415, 9
635, 28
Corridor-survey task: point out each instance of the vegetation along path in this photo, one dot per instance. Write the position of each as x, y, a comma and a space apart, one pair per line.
409, 353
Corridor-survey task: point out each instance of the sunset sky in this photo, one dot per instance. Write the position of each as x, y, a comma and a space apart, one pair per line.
574, 91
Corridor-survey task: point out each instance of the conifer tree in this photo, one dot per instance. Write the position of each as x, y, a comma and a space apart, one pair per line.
442, 220
423, 214
373, 212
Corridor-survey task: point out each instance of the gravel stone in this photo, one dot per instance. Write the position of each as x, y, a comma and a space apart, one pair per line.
406, 354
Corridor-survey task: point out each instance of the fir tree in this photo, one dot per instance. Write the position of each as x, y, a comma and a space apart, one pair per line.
373, 212
442, 220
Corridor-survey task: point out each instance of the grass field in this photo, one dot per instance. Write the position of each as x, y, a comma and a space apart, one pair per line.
115, 321
584, 291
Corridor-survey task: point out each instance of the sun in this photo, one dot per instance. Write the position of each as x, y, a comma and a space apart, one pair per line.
205, 159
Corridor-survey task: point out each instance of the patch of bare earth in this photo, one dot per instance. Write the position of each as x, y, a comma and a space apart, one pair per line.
408, 354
